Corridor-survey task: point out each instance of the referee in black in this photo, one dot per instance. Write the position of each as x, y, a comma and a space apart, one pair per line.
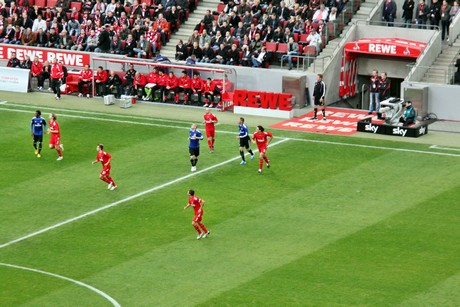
318, 96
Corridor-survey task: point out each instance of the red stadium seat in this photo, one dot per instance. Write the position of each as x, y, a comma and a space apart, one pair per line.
40, 3
303, 38
309, 50
220, 7
74, 4
149, 2
271, 46
296, 37
51, 3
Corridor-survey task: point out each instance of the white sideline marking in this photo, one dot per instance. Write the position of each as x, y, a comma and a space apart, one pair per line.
121, 121
95, 113
235, 133
3, 102
106, 296
436, 153
444, 148
127, 199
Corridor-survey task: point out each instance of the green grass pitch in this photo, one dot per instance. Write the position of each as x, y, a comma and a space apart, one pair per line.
335, 221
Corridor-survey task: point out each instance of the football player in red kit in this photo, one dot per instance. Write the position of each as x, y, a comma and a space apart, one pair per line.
55, 139
210, 120
197, 204
262, 139
105, 158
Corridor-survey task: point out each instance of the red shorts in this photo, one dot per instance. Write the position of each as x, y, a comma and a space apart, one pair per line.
198, 217
211, 132
106, 171
262, 149
55, 139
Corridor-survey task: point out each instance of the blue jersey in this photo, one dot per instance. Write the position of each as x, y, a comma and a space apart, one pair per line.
195, 142
38, 125
243, 131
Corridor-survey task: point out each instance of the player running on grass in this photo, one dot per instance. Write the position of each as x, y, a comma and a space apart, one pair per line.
210, 120
243, 136
37, 127
262, 139
197, 204
105, 159
55, 140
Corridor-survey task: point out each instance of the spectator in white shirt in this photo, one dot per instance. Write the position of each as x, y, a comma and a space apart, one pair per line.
39, 23
314, 39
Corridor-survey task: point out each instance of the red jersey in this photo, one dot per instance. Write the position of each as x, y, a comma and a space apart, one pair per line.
197, 83
54, 127
86, 74
56, 71
209, 87
195, 202
210, 119
152, 77
36, 68
185, 82
172, 82
103, 157
163, 80
261, 138
102, 76
141, 81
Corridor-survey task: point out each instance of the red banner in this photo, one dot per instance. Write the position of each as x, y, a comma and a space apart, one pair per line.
339, 121
386, 46
69, 58
263, 100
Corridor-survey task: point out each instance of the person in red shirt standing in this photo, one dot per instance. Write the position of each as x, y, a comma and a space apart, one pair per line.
171, 85
184, 85
210, 120
105, 158
262, 139
55, 139
86, 78
100, 80
197, 204
56, 74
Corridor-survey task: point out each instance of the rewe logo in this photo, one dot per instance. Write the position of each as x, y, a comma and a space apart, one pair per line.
422, 130
400, 131
382, 48
370, 127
